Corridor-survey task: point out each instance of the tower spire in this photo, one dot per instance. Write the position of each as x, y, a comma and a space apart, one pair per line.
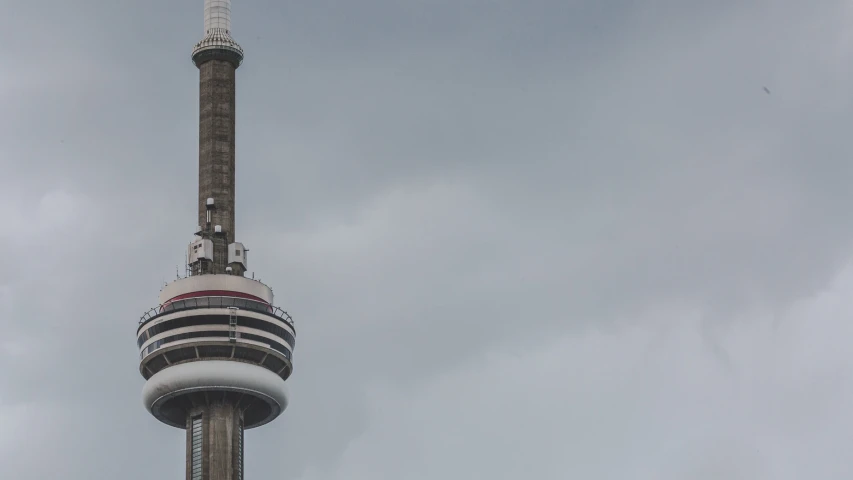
217, 15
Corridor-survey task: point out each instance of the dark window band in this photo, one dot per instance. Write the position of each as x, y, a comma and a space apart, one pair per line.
215, 302
255, 323
218, 333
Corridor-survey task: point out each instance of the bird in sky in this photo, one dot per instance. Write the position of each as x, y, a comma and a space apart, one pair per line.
766, 90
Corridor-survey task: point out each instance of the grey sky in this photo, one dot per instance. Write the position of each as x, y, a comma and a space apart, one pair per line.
521, 239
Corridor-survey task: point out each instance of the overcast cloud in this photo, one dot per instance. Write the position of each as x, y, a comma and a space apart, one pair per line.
544, 239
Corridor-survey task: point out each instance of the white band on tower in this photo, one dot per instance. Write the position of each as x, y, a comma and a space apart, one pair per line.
217, 15
217, 31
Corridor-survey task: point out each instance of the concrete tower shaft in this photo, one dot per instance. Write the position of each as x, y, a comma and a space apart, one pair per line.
217, 57
216, 163
215, 428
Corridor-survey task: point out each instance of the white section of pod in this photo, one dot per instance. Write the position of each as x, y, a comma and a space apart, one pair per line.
215, 375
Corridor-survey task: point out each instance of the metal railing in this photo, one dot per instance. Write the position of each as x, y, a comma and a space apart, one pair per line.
216, 302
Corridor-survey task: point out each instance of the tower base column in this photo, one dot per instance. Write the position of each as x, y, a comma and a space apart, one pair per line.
215, 442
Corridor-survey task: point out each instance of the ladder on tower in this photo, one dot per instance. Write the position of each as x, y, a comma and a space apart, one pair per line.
232, 324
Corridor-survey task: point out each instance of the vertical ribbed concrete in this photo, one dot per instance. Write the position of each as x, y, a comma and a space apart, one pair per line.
221, 457
216, 172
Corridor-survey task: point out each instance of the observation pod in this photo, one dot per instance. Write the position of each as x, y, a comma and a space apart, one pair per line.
215, 339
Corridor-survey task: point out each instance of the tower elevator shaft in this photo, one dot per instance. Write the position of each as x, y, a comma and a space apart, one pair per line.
215, 442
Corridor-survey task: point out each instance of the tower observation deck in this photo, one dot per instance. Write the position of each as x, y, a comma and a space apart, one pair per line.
215, 352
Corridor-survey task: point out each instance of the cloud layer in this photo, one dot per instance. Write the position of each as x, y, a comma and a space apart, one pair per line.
546, 239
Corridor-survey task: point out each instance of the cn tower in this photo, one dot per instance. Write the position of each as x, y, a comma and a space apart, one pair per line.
215, 353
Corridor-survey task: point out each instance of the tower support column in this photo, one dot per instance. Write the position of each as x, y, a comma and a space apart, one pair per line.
216, 167
215, 442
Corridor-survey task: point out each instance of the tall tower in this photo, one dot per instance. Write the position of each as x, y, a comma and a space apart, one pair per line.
215, 353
